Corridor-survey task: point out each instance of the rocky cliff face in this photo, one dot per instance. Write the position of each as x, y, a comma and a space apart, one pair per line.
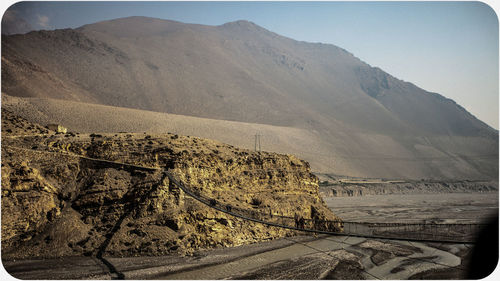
56, 203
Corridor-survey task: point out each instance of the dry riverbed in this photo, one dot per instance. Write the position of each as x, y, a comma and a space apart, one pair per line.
307, 257
417, 208
301, 257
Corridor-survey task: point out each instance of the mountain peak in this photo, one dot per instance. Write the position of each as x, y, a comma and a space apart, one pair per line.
243, 25
240, 23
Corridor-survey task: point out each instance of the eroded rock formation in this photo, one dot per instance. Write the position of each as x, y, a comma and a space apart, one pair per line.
57, 203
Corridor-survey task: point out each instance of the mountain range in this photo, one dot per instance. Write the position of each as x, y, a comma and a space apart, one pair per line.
311, 99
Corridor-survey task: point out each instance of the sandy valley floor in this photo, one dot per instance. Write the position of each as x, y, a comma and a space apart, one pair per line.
416, 208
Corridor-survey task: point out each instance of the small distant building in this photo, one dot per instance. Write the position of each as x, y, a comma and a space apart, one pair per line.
57, 128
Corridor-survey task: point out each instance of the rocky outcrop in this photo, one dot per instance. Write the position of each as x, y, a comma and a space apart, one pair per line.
405, 187
57, 201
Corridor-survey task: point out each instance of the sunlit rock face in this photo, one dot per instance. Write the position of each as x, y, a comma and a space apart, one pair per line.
55, 203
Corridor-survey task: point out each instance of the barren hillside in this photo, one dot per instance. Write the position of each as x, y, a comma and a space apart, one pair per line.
369, 123
360, 154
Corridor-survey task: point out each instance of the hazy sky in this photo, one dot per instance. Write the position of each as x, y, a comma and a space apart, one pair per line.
446, 47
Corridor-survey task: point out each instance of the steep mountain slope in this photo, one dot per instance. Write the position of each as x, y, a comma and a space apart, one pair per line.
361, 154
241, 72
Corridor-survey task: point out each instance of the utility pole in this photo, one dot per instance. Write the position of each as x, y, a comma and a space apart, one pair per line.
257, 141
